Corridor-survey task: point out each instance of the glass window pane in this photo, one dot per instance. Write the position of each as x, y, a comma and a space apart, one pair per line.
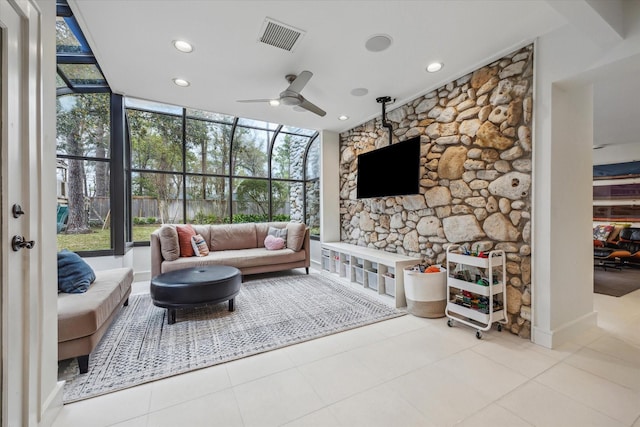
287, 200
313, 160
156, 141
256, 124
287, 158
141, 104
59, 82
207, 200
199, 114
66, 41
251, 200
83, 125
208, 146
83, 74
313, 207
249, 155
298, 131
83, 205
156, 198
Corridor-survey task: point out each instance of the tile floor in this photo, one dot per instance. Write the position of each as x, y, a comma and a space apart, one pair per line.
407, 371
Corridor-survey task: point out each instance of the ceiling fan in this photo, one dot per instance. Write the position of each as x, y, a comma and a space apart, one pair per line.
291, 95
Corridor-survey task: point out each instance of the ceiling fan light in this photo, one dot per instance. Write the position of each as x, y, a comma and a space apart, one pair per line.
343, 117
183, 46
274, 102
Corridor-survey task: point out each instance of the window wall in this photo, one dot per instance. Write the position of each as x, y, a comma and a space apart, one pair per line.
126, 166
205, 168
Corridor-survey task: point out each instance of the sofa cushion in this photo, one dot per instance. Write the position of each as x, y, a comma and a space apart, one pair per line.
277, 232
295, 235
273, 243
200, 247
74, 274
239, 258
262, 230
169, 245
233, 236
80, 315
185, 233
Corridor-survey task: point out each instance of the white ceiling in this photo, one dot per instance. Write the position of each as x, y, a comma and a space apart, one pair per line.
132, 40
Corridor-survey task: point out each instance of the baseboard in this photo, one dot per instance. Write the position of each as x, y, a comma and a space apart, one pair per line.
565, 333
141, 276
52, 405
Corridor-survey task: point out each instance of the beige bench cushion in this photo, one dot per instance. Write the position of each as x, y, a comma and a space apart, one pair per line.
80, 315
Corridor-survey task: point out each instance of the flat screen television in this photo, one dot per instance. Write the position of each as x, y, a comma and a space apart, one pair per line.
393, 170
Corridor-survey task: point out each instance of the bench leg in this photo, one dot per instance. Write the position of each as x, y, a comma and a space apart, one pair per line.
171, 316
306, 269
83, 363
231, 307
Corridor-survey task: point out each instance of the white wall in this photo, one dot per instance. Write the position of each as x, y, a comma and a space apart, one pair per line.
565, 64
329, 187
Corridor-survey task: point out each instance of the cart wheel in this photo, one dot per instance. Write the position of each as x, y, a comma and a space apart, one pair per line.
450, 323
479, 335
499, 327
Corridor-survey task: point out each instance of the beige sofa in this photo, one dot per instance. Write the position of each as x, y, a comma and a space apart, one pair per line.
84, 318
236, 245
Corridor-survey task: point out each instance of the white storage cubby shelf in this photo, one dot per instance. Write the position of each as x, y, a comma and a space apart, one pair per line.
368, 267
472, 303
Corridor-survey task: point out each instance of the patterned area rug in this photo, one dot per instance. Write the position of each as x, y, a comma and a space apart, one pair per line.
271, 312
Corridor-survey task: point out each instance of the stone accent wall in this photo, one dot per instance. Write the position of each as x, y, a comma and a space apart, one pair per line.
475, 187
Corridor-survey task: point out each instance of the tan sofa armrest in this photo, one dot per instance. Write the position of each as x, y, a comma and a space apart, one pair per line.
156, 253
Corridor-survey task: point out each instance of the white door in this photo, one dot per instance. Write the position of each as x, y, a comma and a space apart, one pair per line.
20, 135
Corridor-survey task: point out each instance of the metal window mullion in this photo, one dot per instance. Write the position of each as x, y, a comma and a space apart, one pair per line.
231, 167
272, 144
184, 165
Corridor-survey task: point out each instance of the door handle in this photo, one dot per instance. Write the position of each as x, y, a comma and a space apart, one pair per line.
19, 242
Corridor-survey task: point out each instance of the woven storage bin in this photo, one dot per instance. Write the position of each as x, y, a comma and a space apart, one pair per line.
373, 279
426, 293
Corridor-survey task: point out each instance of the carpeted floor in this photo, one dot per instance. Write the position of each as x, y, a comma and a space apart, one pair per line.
616, 283
271, 312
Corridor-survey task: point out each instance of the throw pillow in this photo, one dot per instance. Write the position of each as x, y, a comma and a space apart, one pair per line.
273, 243
74, 274
278, 232
296, 233
169, 244
185, 233
200, 247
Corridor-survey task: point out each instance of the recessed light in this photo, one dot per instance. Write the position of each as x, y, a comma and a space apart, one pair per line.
343, 117
181, 82
434, 66
183, 46
274, 102
359, 91
378, 43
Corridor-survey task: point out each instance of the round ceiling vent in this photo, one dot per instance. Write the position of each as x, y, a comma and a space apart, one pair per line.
378, 43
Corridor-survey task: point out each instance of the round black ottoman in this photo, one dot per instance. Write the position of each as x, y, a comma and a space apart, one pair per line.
195, 286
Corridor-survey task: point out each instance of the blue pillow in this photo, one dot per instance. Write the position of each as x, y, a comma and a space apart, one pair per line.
74, 274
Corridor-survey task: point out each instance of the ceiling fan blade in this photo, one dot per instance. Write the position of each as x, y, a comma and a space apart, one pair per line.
254, 100
312, 107
300, 82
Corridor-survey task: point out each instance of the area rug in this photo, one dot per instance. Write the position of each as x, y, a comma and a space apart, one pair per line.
616, 283
271, 312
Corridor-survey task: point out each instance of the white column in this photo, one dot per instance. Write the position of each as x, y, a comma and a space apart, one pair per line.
329, 187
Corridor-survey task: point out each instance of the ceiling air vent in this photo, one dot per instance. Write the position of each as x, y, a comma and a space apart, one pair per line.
280, 35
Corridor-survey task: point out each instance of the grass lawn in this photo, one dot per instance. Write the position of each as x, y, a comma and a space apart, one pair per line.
100, 239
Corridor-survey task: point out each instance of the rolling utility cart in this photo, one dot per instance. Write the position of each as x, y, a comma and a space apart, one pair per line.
476, 289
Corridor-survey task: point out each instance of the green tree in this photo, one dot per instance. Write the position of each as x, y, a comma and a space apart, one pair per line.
255, 193
83, 127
